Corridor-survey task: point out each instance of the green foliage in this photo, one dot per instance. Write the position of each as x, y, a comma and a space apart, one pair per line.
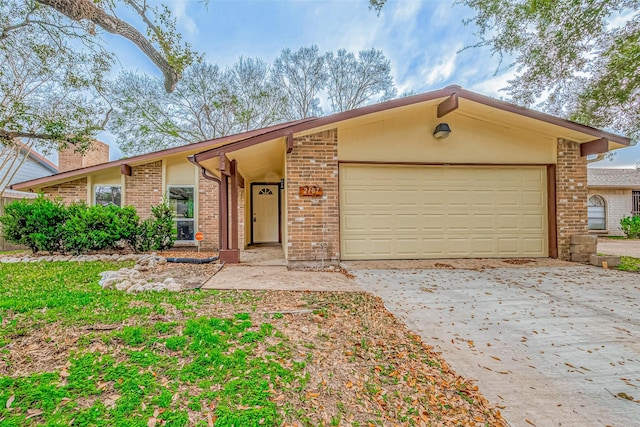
630, 226
35, 223
628, 263
155, 233
45, 225
581, 57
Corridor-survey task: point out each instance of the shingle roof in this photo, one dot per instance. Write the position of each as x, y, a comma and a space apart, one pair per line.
620, 178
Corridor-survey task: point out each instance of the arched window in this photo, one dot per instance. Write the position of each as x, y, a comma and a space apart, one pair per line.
597, 213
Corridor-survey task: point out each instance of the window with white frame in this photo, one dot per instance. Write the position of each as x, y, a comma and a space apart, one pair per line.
597, 213
182, 202
107, 195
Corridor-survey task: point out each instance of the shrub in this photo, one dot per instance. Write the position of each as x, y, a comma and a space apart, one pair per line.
94, 228
45, 225
630, 226
155, 233
35, 223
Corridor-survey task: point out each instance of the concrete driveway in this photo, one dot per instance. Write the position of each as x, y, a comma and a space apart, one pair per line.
550, 345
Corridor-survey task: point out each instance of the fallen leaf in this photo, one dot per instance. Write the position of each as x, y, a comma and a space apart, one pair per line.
529, 422
10, 401
152, 422
33, 413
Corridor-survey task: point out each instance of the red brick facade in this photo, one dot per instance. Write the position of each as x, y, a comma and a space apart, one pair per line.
571, 195
143, 188
68, 159
208, 213
313, 224
68, 192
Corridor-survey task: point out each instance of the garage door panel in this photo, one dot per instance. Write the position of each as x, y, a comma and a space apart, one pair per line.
355, 223
433, 222
381, 222
532, 198
533, 223
395, 212
407, 247
533, 244
407, 222
483, 222
382, 247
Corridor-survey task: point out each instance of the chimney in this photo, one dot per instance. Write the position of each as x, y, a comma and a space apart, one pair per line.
69, 159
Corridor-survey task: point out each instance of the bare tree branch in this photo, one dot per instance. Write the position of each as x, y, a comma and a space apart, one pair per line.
79, 10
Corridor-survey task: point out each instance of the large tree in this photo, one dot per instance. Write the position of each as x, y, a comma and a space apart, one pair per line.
302, 75
53, 65
208, 103
355, 80
579, 59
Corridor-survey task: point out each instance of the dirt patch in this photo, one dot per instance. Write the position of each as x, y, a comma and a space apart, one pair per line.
517, 261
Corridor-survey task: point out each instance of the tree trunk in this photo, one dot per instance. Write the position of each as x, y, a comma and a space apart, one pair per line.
79, 10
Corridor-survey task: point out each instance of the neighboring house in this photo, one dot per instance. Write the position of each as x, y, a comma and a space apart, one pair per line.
34, 166
379, 182
31, 167
613, 194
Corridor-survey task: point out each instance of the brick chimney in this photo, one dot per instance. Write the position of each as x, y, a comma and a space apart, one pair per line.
69, 159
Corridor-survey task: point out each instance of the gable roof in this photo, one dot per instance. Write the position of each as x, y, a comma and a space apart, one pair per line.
617, 178
149, 157
36, 157
483, 105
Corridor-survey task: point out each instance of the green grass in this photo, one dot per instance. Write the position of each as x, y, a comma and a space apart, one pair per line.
628, 263
182, 371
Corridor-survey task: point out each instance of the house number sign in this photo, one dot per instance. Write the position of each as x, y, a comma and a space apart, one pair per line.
310, 190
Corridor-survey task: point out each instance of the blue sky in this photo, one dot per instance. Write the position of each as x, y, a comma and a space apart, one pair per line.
423, 39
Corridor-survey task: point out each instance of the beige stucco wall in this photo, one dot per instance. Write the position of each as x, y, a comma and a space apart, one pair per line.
179, 171
407, 137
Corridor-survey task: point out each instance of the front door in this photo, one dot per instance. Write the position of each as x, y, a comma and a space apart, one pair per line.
265, 215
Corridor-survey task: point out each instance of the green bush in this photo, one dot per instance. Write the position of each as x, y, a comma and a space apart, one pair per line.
94, 228
35, 223
45, 225
154, 233
630, 226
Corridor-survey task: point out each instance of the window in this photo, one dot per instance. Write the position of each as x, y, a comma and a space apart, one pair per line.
635, 203
596, 211
108, 195
181, 200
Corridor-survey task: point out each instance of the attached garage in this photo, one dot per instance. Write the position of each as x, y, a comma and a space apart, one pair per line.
416, 212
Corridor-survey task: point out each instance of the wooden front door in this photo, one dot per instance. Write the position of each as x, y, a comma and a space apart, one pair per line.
266, 213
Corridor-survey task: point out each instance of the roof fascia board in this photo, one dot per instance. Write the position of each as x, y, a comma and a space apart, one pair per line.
145, 158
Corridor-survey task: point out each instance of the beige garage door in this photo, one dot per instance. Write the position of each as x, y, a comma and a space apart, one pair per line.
413, 212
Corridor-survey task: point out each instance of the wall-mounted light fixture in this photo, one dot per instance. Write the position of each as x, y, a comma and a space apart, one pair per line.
441, 131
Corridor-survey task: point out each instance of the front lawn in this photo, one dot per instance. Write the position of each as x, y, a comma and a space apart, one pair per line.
628, 263
72, 353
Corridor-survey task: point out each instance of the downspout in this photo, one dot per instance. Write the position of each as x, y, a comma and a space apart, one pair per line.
205, 175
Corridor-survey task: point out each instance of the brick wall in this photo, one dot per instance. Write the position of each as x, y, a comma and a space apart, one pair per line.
69, 192
143, 188
618, 206
571, 195
208, 213
69, 159
241, 210
313, 223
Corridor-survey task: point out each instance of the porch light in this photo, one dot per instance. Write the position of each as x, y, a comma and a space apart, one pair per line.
441, 131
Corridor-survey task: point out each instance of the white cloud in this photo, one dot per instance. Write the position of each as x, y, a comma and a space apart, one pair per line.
184, 20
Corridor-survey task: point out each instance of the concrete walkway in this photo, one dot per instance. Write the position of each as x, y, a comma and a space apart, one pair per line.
551, 345
279, 278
